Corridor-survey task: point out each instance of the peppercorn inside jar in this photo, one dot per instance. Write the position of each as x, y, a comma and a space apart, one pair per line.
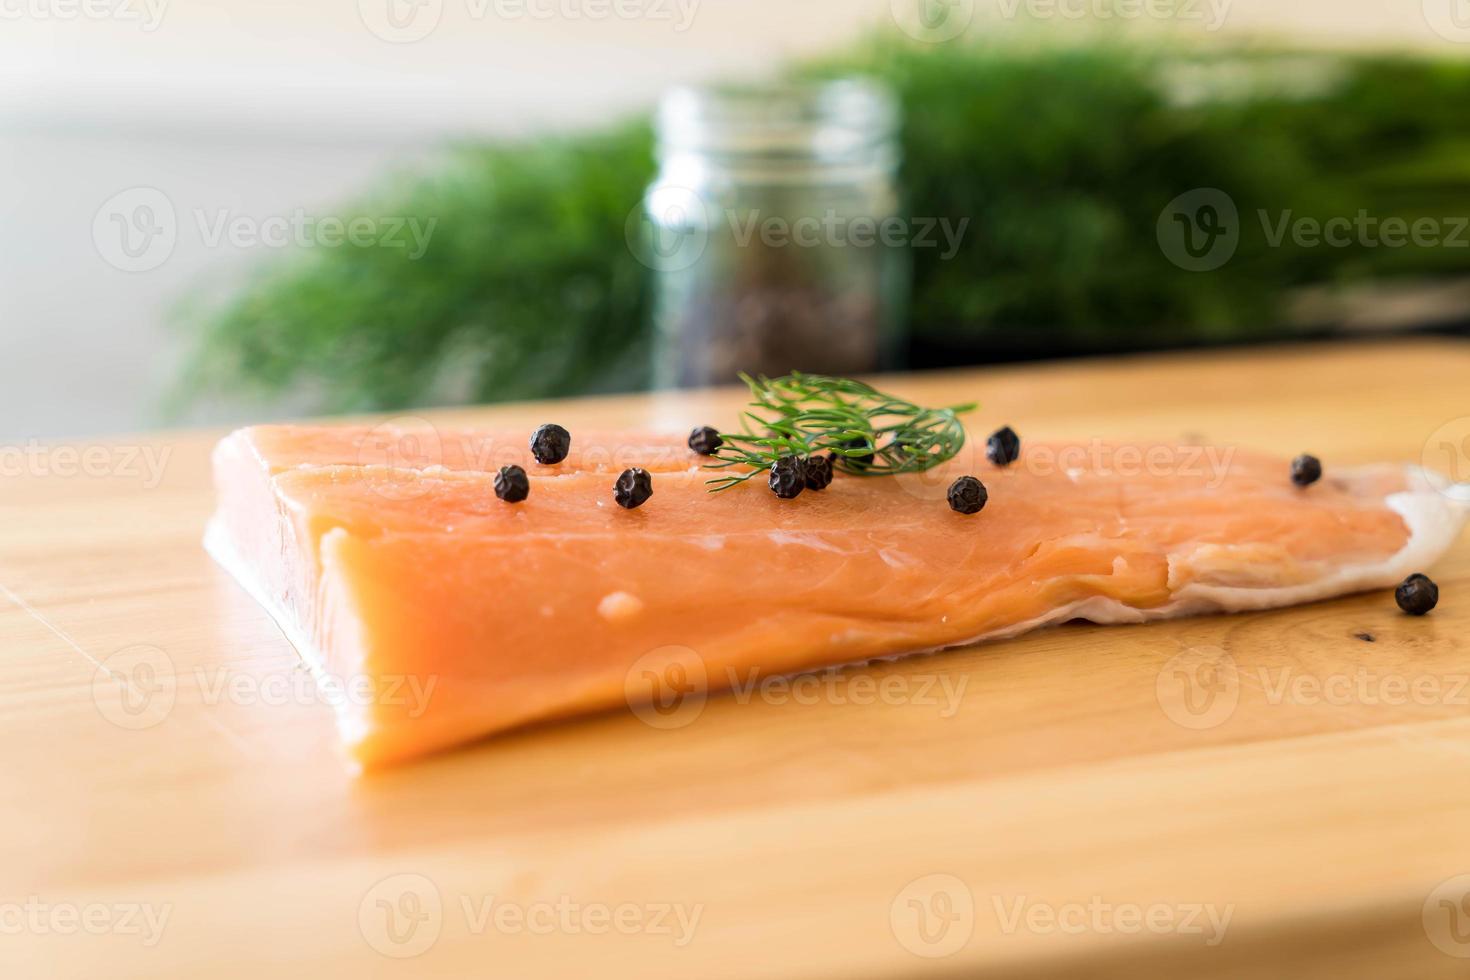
774, 233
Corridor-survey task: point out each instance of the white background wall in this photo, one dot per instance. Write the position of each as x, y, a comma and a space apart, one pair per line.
259, 107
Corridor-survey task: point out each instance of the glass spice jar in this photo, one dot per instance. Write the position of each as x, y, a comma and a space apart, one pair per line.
774, 231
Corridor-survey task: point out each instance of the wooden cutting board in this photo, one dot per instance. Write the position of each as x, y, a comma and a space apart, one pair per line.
1278, 794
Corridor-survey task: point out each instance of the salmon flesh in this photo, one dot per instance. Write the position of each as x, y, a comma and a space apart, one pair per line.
387, 559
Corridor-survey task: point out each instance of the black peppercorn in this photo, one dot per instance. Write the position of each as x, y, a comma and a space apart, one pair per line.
550, 444
1306, 470
788, 477
1003, 447
968, 495
633, 488
705, 441
512, 485
859, 442
818, 471
1417, 595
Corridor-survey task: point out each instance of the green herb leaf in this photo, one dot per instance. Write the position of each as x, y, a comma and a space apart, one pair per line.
868, 432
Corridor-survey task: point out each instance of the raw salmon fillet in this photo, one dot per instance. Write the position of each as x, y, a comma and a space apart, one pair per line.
388, 560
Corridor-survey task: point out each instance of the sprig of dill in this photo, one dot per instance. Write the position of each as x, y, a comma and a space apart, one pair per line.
868, 432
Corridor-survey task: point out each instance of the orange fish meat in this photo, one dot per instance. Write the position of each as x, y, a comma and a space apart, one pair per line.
386, 557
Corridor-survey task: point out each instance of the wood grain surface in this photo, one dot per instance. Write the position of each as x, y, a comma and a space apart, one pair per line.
1274, 794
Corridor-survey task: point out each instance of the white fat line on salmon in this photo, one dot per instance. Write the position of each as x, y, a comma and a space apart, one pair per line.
299, 687
567, 916
1100, 917
839, 687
